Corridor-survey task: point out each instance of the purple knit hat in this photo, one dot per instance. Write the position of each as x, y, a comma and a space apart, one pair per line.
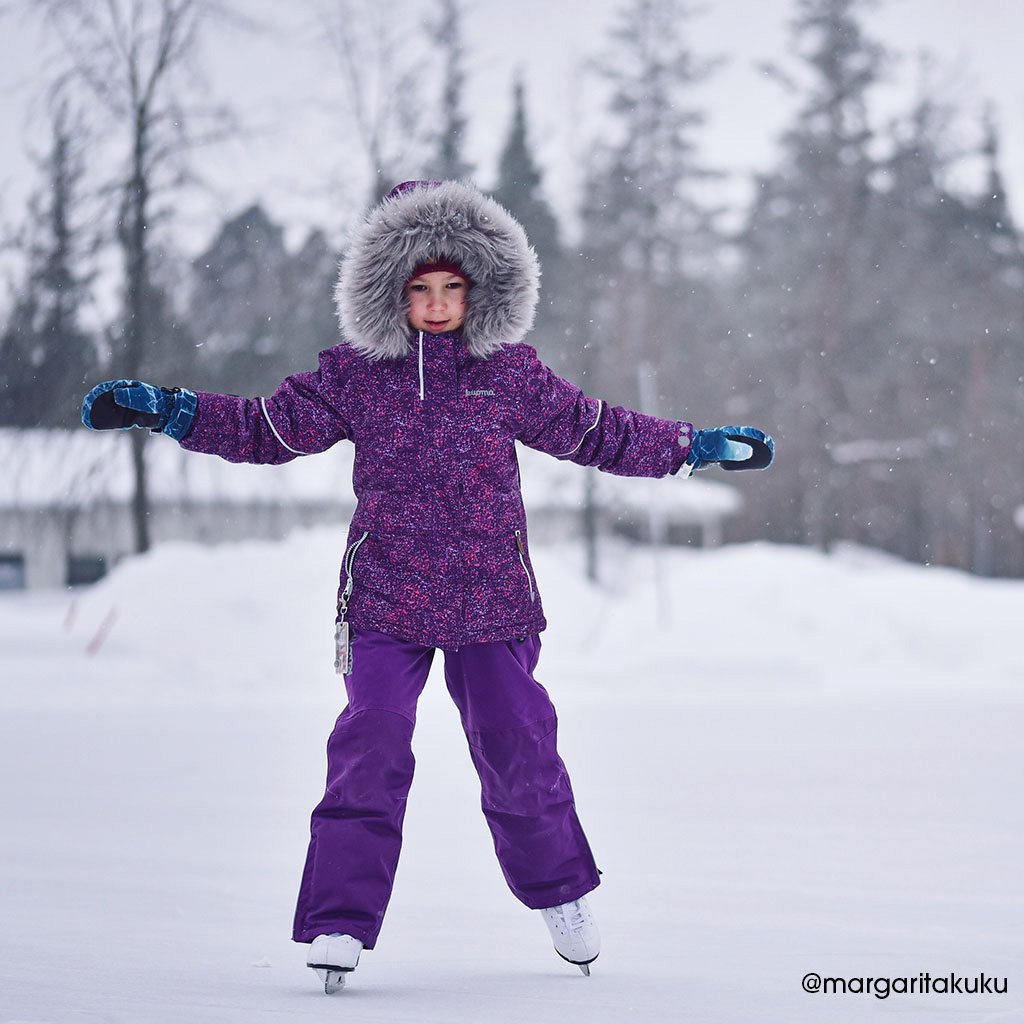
409, 186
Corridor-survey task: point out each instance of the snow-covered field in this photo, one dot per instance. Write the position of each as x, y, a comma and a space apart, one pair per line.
786, 763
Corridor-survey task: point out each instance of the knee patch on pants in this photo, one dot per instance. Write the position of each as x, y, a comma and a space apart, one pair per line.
519, 768
370, 756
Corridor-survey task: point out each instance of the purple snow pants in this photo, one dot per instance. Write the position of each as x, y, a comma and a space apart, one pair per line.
527, 800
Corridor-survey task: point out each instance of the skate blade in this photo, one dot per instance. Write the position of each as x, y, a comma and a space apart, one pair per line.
332, 977
334, 982
584, 967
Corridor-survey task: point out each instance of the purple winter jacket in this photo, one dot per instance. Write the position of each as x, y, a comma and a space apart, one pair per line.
437, 550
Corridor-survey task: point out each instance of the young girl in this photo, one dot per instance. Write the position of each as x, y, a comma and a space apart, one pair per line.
434, 386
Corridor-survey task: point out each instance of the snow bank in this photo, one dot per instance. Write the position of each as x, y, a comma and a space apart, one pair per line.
253, 622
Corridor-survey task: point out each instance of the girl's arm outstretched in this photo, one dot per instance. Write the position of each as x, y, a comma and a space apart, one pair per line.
303, 416
558, 418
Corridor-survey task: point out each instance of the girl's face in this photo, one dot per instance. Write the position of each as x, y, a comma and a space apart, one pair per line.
437, 301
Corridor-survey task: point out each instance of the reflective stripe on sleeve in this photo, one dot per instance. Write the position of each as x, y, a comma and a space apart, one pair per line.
270, 423
600, 409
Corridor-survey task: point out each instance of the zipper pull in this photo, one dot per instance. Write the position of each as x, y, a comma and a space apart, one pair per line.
519, 543
342, 640
342, 649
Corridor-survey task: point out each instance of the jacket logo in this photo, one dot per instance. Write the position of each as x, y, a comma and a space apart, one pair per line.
481, 391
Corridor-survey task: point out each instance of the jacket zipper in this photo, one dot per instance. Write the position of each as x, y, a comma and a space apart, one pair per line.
350, 561
522, 562
342, 638
421, 366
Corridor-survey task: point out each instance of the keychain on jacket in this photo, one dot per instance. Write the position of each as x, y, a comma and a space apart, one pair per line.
342, 637
342, 647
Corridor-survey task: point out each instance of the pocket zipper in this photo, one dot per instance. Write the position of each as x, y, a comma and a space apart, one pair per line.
350, 560
342, 640
522, 562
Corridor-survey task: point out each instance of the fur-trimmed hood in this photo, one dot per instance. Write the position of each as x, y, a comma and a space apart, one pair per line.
427, 221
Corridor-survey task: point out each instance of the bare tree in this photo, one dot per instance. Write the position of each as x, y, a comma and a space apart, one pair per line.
378, 77
137, 58
449, 160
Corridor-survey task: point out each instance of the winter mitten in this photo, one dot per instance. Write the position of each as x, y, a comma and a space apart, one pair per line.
732, 447
120, 404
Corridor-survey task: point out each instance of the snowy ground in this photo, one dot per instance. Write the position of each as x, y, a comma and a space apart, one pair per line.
826, 782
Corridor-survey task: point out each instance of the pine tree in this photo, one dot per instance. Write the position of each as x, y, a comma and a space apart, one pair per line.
811, 268
237, 305
648, 239
520, 191
311, 318
519, 187
46, 357
259, 312
983, 320
954, 272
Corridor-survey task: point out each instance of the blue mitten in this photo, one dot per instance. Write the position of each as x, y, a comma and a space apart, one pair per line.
121, 404
732, 447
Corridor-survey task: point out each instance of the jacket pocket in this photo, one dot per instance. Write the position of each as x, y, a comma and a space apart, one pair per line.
501, 588
521, 551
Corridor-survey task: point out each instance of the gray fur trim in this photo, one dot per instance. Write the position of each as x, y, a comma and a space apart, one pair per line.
452, 221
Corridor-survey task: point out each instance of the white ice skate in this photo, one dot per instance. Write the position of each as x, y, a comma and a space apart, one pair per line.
574, 933
333, 957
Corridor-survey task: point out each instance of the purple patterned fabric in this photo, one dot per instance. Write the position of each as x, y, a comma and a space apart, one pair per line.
438, 546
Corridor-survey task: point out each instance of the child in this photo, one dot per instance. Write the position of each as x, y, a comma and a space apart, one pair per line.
434, 386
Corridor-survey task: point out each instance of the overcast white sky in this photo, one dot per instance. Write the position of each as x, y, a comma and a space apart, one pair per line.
280, 80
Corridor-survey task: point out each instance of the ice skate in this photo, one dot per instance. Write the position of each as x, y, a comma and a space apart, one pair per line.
334, 957
574, 933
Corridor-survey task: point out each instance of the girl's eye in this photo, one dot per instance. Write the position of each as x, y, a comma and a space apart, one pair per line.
455, 284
